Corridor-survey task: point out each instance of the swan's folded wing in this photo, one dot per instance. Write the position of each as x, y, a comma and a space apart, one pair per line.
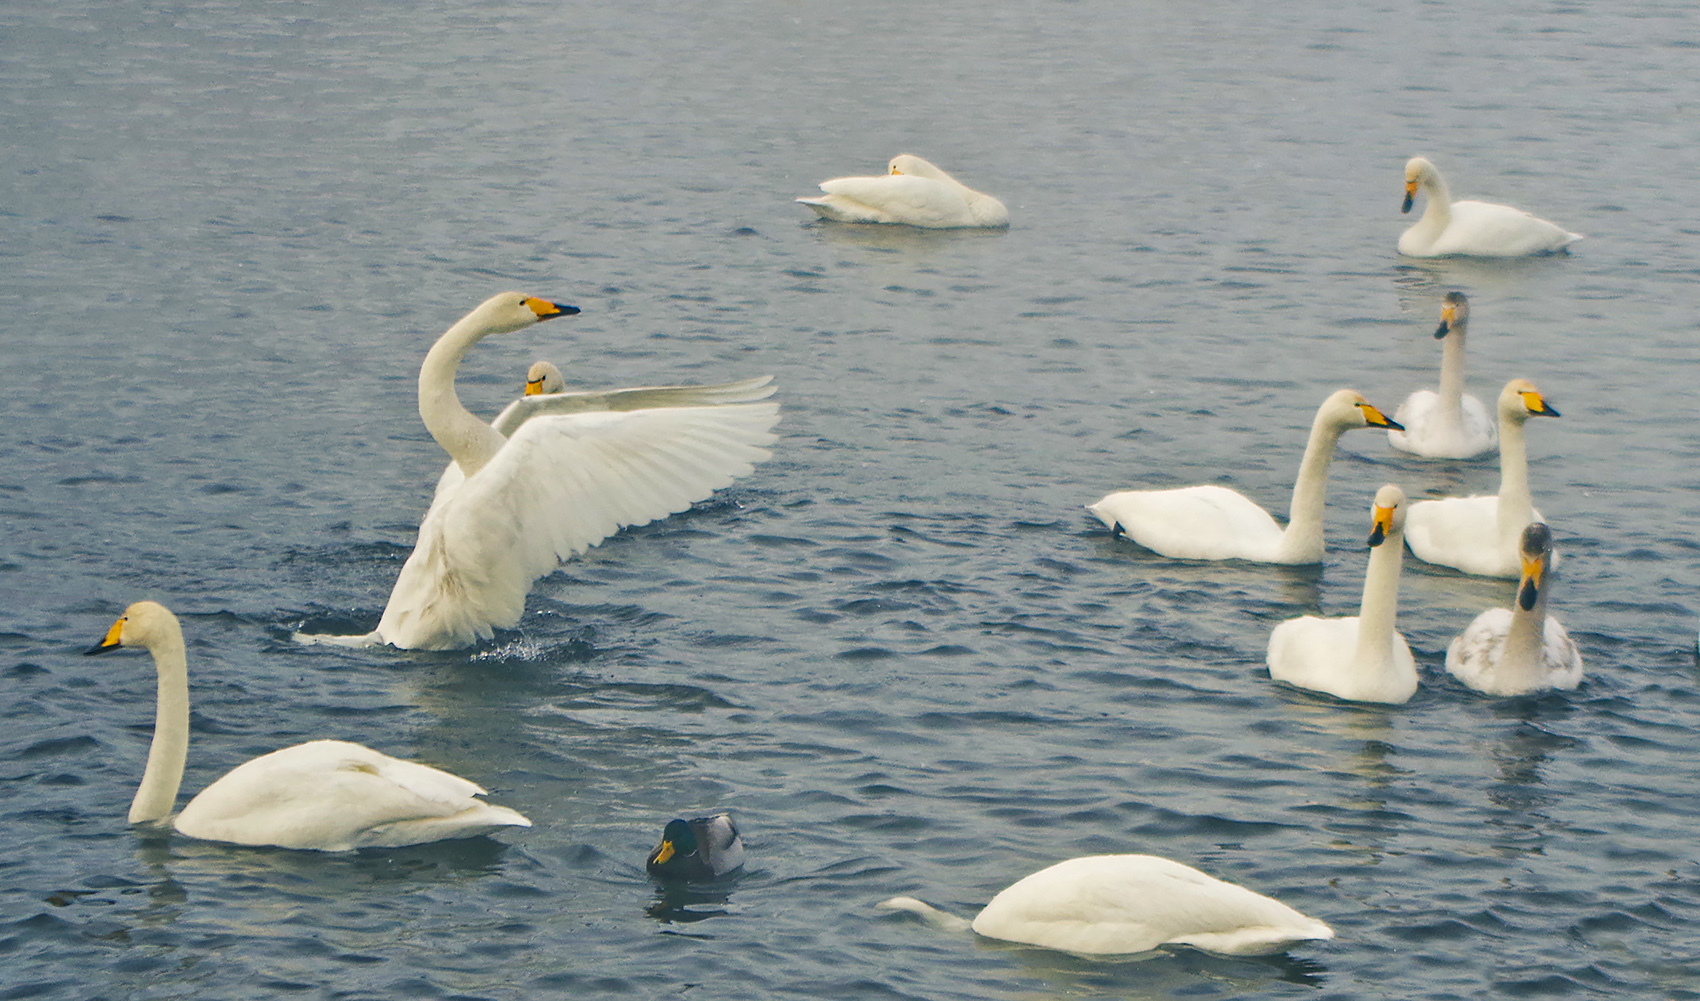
632, 398
918, 201
326, 795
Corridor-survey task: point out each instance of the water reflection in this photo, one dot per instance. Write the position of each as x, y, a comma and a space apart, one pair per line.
687, 903
1161, 973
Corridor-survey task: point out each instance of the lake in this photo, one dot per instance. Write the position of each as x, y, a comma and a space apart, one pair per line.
900, 652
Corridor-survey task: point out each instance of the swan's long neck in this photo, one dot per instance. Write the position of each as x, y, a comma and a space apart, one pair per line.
469, 441
1519, 667
1451, 410
1310, 491
170, 750
1516, 507
1380, 606
1437, 214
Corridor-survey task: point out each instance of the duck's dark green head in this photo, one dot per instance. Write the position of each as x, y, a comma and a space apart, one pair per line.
678, 844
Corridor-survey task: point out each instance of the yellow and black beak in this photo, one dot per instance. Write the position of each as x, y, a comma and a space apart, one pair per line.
662, 854
1537, 404
110, 643
1530, 588
534, 387
1381, 525
1447, 316
547, 310
1410, 196
1376, 419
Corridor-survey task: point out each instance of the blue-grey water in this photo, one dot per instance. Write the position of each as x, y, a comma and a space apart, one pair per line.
900, 652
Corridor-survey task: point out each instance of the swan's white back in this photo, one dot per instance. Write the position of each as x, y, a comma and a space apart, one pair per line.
331, 795
913, 192
1123, 904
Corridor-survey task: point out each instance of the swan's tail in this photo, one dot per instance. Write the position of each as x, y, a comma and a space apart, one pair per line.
926, 912
372, 638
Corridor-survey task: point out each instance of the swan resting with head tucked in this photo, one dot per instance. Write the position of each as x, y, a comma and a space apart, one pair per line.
1105, 905
697, 850
1214, 523
1470, 228
324, 795
560, 484
1361, 658
546, 393
1449, 424
1521, 649
912, 192
1479, 535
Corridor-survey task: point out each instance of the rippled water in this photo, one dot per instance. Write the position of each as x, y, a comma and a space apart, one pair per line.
900, 652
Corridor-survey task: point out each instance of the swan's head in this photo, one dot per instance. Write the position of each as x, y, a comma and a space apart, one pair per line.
1348, 409
1535, 550
144, 624
1418, 172
509, 311
1387, 515
543, 377
1520, 400
914, 166
1454, 313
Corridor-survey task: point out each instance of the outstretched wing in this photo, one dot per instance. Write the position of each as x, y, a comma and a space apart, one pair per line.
633, 398
561, 484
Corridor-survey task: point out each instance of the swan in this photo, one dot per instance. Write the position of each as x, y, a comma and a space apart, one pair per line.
698, 850
912, 192
1449, 424
324, 795
1360, 658
546, 393
1478, 535
1123, 904
1521, 649
1471, 229
559, 485
1215, 523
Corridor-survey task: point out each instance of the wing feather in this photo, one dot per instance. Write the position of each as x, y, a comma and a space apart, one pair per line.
563, 483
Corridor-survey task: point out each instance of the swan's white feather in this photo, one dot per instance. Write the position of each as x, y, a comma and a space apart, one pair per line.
1204, 522
1475, 434
561, 484
1463, 532
914, 193
1319, 654
331, 795
1122, 904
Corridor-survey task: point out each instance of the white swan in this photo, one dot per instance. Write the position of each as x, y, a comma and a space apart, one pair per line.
1215, 523
1479, 535
1449, 424
913, 193
1362, 658
325, 795
1471, 229
1520, 649
1123, 904
559, 485
546, 393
